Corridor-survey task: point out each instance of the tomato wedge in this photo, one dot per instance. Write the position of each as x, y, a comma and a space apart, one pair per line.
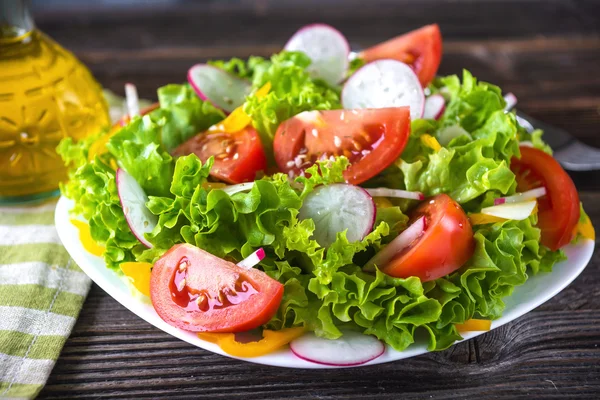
238, 156
370, 138
421, 49
443, 247
196, 291
559, 208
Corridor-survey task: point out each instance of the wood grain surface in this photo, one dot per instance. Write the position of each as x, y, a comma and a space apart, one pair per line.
546, 52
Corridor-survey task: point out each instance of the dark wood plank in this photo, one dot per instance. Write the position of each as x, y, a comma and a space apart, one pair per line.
551, 352
554, 79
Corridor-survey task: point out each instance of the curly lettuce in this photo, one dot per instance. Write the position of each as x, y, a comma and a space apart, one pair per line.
325, 290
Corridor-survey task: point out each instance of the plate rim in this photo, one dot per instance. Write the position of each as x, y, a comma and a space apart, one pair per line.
281, 358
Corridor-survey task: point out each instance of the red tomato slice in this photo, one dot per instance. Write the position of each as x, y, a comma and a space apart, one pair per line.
559, 208
238, 156
445, 245
196, 291
421, 48
370, 138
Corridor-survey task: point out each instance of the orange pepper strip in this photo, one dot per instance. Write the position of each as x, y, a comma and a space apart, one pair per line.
85, 237
238, 119
271, 341
474, 325
139, 274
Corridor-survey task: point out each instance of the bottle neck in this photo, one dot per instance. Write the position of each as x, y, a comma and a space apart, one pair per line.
16, 22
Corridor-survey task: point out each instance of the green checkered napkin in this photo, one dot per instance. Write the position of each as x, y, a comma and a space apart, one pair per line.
41, 294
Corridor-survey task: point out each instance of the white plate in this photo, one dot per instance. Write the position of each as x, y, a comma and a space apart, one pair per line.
537, 290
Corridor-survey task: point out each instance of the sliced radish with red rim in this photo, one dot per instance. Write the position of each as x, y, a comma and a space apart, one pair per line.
336, 208
219, 87
253, 259
327, 48
397, 193
396, 246
382, 84
434, 106
133, 201
352, 349
511, 101
519, 197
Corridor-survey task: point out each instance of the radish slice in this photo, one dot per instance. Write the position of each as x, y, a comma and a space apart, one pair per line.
402, 241
384, 83
400, 194
514, 211
133, 102
221, 88
434, 106
133, 201
327, 48
240, 187
252, 259
352, 348
519, 197
526, 143
337, 208
511, 101
447, 134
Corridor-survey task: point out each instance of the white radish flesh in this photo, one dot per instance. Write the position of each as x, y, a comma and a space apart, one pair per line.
401, 242
383, 84
327, 48
526, 143
434, 106
399, 194
133, 102
519, 197
514, 211
336, 208
240, 187
133, 201
511, 101
353, 348
448, 133
252, 259
219, 87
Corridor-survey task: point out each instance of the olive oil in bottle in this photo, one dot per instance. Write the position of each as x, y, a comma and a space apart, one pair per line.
46, 94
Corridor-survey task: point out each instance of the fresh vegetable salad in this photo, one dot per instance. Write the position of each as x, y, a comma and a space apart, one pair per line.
322, 194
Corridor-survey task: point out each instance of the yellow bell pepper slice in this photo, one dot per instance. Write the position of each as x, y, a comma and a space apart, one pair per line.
139, 274
585, 229
271, 341
85, 237
431, 142
238, 119
482, 219
382, 202
475, 325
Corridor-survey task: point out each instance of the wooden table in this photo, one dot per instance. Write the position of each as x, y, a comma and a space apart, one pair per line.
546, 52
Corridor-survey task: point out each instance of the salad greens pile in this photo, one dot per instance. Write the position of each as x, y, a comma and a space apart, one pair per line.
325, 289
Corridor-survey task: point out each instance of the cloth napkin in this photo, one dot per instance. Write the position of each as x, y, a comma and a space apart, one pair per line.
41, 294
